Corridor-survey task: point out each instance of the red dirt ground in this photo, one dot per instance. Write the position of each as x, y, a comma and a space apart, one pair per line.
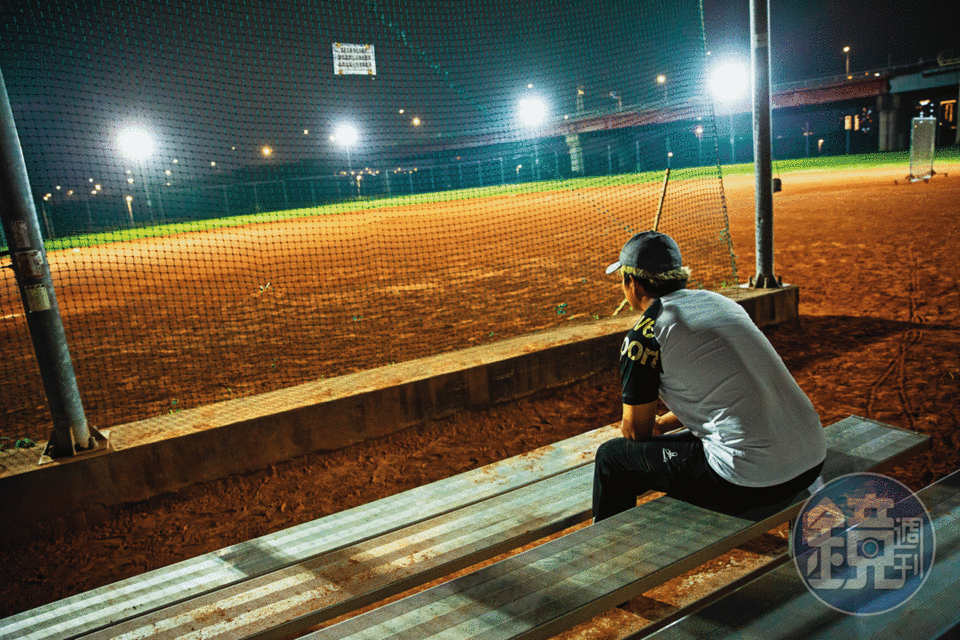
879, 336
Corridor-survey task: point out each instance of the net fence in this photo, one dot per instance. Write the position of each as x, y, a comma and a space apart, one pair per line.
923, 135
238, 197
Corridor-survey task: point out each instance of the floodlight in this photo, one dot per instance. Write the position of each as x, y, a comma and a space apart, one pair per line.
532, 111
729, 81
345, 135
135, 142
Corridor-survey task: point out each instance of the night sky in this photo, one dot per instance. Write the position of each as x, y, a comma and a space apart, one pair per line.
808, 36
217, 81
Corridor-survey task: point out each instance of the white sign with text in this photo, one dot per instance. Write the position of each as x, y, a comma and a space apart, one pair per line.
354, 59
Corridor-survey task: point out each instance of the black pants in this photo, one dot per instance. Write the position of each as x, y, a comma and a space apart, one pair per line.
676, 464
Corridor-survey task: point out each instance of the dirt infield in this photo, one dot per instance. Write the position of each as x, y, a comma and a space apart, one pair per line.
185, 320
879, 336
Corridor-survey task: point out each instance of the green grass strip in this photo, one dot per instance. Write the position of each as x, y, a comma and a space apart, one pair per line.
823, 163
840, 163
360, 204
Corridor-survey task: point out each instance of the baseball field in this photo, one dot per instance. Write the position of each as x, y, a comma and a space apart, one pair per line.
877, 263
174, 317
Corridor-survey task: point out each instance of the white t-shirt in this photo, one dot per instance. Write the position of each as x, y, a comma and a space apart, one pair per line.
725, 382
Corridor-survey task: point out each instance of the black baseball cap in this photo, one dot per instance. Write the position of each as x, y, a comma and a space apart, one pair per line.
649, 251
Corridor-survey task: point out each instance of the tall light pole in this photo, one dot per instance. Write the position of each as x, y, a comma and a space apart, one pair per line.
532, 112
346, 136
136, 143
728, 83
662, 81
846, 50
699, 133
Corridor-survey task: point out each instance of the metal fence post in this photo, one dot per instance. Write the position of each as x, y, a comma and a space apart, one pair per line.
762, 157
22, 229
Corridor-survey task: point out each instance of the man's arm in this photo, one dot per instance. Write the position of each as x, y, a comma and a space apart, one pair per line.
639, 420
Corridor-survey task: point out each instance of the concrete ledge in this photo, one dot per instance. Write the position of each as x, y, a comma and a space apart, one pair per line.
170, 452
768, 307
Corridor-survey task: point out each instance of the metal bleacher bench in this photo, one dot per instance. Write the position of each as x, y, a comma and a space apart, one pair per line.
287, 582
775, 605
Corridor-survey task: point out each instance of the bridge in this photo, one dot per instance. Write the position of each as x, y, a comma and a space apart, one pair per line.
885, 100
892, 88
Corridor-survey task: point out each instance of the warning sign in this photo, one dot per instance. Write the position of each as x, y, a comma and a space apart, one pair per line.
354, 59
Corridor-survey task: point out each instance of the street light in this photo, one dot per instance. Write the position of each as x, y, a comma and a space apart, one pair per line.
728, 83
136, 143
699, 133
662, 81
846, 50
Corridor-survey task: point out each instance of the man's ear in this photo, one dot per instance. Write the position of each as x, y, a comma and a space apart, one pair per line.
638, 289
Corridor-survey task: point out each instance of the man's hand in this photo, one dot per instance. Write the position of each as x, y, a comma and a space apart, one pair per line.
667, 422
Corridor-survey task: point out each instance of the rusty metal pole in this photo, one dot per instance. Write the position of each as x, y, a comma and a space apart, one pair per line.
762, 140
22, 230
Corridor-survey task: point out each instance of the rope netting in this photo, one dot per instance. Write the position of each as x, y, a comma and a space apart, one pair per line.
238, 197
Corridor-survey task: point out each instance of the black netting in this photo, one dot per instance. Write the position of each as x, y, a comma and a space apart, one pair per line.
245, 243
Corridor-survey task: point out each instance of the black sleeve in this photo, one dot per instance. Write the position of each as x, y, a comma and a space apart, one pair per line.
640, 366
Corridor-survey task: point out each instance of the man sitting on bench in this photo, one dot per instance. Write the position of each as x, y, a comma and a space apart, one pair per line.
752, 437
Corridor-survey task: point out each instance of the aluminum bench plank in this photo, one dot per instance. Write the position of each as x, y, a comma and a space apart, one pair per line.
777, 605
298, 597
545, 590
99, 608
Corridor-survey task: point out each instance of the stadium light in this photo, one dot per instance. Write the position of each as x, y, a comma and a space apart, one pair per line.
136, 142
728, 83
346, 136
532, 111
